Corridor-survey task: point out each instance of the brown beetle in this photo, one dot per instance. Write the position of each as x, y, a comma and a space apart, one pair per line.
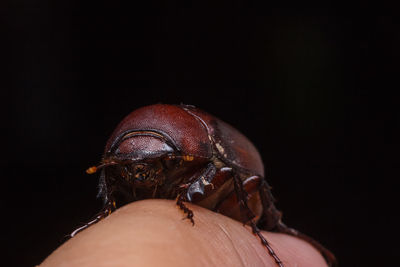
183, 153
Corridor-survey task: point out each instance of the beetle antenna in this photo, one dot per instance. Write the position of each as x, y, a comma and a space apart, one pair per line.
94, 169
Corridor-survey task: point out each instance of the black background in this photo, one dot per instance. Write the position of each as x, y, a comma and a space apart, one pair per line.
314, 93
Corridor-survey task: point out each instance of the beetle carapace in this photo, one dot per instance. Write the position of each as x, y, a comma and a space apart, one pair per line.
181, 152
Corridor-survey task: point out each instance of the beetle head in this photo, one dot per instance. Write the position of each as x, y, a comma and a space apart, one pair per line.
138, 157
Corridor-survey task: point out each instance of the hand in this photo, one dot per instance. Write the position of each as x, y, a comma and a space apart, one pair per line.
152, 233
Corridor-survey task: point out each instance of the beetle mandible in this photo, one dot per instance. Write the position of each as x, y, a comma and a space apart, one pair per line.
181, 152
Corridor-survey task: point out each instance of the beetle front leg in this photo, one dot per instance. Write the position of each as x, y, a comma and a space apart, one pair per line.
182, 206
196, 186
200, 181
109, 205
108, 208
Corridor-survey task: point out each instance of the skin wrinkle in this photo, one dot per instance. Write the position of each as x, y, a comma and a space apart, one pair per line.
213, 239
244, 245
233, 244
253, 245
240, 244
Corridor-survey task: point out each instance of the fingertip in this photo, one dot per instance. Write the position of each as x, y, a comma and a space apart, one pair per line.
151, 233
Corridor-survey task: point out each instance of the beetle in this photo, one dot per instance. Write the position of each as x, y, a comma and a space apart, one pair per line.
181, 152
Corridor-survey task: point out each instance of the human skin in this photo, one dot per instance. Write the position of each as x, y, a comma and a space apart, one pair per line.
153, 233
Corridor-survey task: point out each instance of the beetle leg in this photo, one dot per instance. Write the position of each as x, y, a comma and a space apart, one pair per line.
191, 188
185, 209
265, 243
248, 216
271, 221
201, 180
271, 215
153, 195
241, 194
103, 187
104, 213
109, 205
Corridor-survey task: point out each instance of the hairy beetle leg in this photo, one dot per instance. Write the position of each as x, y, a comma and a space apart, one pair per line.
185, 209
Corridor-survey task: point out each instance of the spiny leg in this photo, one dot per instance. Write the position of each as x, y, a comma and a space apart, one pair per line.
104, 213
197, 186
185, 209
248, 217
